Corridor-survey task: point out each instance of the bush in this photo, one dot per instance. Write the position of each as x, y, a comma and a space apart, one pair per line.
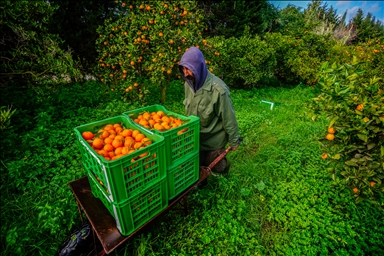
30, 52
369, 54
354, 138
298, 58
242, 62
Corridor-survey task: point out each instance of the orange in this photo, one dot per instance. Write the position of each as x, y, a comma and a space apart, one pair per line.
129, 142
146, 116
126, 132
117, 143
87, 135
111, 154
118, 130
103, 153
143, 122
112, 136
138, 145
135, 132
108, 140
105, 134
360, 107
166, 126
112, 132
146, 141
160, 113
324, 156
355, 190
143, 154
108, 147
151, 123
117, 156
125, 150
165, 119
372, 183
98, 143
158, 127
119, 150
331, 130
139, 137
108, 127
119, 137
330, 136
116, 125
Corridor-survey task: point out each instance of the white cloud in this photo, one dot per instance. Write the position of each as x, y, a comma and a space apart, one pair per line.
352, 12
374, 8
341, 3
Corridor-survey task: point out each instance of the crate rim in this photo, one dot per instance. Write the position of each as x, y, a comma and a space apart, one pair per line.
159, 138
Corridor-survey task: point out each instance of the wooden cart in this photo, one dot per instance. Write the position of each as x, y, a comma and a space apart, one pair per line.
104, 225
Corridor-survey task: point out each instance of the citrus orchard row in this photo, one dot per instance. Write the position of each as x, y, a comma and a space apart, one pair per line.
114, 141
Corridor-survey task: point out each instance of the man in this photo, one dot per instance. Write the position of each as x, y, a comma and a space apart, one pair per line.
208, 97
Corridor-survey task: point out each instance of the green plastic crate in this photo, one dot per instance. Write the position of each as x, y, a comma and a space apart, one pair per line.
177, 146
124, 176
182, 175
138, 209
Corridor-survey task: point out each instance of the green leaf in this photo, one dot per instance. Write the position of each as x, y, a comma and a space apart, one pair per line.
333, 121
336, 157
371, 146
259, 186
363, 137
351, 163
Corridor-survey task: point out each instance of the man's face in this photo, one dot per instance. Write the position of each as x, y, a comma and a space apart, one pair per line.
187, 73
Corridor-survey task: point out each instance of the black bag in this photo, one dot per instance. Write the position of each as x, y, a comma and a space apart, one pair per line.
79, 243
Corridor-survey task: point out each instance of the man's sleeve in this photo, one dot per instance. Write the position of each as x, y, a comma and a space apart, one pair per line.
228, 116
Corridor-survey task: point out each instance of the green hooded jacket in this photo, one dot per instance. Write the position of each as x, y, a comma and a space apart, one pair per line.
213, 105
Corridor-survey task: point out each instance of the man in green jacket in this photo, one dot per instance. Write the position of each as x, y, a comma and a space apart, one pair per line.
208, 97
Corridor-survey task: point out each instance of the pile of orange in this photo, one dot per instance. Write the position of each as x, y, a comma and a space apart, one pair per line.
114, 141
158, 121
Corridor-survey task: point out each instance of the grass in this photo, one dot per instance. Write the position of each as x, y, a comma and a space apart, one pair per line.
279, 199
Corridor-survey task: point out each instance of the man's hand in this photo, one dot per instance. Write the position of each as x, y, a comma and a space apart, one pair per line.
239, 140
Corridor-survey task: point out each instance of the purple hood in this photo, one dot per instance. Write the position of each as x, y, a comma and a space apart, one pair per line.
193, 59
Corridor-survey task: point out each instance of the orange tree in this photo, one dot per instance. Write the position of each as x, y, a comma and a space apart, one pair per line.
146, 44
354, 139
299, 57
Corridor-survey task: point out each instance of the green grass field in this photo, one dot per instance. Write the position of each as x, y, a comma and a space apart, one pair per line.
279, 199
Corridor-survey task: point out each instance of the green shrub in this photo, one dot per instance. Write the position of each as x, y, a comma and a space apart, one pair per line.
369, 54
30, 52
298, 58
242, 62
354, 107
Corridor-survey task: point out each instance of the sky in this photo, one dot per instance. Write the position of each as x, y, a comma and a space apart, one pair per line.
376, 8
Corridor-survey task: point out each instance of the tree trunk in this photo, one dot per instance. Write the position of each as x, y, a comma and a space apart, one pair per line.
163, 92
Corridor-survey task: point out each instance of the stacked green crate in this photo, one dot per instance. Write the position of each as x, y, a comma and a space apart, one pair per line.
180, 142
118, 182
182, 145
183, 174
138, 209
